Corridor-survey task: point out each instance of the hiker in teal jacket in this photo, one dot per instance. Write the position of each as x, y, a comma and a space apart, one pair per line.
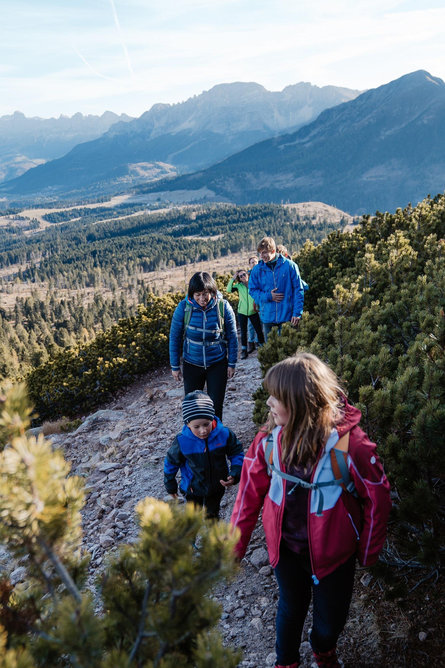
246, 309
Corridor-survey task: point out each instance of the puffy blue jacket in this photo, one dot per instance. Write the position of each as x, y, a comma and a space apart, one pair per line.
203, 462
285, 277
203, 344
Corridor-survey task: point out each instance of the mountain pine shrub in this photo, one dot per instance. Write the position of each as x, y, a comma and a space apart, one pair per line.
154, 608
79, 378
375, 313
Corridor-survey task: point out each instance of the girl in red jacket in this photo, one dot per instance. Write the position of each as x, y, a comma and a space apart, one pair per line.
325, 500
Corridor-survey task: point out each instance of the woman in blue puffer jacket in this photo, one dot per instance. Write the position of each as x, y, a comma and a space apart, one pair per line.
204, 326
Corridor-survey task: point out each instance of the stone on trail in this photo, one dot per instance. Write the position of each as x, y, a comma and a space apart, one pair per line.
103, 415
259, 558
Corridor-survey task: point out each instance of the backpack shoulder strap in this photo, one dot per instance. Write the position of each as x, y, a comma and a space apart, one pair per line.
298, 482
343, 443
220, 311
339, 463
187, 314
268, 453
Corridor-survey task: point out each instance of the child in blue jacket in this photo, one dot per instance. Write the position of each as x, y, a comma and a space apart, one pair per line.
200, 452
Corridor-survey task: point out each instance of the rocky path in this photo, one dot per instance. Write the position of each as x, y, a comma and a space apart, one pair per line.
120, 451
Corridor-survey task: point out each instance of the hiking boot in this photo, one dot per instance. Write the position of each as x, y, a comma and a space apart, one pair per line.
327, 659
250, 347
244, 354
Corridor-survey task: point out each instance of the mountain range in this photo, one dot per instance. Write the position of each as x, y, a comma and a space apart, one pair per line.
359, 152
382, 150
183, 137
27, 142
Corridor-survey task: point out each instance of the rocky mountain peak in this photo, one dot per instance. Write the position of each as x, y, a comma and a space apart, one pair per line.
381, 150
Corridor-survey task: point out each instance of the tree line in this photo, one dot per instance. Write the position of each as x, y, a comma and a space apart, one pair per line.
150, 240
37, 328
113, 256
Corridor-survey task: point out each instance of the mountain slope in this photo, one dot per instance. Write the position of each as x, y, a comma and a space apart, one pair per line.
26, 142
381, 150
188, 136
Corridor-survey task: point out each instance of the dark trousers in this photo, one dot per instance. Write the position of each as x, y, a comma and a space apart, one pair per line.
256, 322
331, 601
195, 377
211, 503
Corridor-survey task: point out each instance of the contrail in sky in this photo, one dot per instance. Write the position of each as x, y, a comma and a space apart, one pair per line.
118, 26
90, 67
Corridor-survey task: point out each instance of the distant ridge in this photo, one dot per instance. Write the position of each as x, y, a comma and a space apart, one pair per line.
382, 150
180, 137
26, 142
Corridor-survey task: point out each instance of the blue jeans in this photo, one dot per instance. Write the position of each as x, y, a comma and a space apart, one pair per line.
252, 336
331, 601
267, 326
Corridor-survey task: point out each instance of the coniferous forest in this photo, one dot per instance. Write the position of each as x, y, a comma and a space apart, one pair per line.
93, 272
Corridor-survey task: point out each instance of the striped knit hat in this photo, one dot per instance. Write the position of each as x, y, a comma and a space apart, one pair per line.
197, 405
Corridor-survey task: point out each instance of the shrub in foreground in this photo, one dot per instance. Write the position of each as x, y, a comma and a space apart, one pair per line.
155, 608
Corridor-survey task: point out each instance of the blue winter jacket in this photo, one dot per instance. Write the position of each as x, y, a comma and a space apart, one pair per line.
203, 344
285, 277
203, 462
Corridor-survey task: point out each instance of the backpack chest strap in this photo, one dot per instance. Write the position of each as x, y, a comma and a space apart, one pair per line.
206, 344
206, 330
342, 479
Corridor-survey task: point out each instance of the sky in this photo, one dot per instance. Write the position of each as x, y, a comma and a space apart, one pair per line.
65, 56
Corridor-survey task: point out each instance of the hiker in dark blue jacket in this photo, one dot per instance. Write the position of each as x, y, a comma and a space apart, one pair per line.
203, 328
200, 452
276, 286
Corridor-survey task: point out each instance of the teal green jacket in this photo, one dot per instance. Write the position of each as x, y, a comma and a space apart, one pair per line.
246, 303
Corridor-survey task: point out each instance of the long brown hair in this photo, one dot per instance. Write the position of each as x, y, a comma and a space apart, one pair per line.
312, 394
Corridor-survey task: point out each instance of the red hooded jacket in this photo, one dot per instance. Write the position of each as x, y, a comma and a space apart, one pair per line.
346, 525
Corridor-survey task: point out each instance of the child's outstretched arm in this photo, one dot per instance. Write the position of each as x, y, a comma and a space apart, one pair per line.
255, 482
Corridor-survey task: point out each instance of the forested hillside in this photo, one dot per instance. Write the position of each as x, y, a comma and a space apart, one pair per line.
82, 254
84, 275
